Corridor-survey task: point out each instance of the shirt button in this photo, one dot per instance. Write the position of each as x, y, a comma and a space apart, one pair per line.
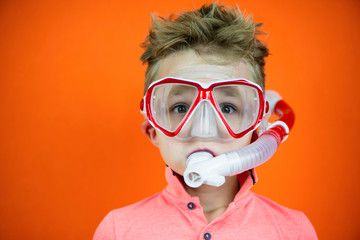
207, 236
191, 205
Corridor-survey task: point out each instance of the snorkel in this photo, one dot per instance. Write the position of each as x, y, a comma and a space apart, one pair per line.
204, 168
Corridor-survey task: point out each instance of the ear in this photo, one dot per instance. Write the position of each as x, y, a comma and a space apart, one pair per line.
150, 132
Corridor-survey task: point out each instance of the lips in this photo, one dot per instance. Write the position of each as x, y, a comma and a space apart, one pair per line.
202, 150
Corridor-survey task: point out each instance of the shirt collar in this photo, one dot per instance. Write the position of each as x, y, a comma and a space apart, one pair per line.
175, 188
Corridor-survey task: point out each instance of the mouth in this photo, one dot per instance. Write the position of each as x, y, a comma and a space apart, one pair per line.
202, 150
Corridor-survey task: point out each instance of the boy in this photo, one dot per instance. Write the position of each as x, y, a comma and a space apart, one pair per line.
199, 50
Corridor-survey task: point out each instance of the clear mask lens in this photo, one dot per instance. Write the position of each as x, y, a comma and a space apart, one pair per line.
170, 104
238, 105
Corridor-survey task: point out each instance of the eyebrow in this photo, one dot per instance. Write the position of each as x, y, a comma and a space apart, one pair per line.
177, 90
229, 91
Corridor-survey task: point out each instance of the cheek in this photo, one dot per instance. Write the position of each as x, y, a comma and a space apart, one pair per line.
239, 143
246, 140
172, 154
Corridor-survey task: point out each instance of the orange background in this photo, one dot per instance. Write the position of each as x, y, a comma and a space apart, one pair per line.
71, 147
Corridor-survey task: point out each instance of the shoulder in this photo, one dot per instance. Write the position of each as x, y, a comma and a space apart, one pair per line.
272, 207
120, 219
288, 221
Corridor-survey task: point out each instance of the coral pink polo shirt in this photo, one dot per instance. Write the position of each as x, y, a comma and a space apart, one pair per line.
174, 214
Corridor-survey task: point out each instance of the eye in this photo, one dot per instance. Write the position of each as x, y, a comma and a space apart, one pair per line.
180, 108
227, 108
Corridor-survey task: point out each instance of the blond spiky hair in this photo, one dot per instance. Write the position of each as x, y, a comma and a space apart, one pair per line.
212, 29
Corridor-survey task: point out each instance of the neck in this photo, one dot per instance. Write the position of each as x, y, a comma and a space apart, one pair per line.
215, 200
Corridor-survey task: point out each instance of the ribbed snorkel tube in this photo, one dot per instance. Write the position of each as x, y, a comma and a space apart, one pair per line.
204, 168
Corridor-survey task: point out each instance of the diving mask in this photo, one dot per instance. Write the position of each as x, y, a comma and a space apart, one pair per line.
188, 109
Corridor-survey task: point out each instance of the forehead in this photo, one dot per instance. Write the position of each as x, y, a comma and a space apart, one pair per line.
209, 68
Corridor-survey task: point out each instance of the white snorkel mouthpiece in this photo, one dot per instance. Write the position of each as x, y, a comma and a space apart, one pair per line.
203, 168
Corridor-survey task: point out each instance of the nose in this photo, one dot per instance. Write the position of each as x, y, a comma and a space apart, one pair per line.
204, 122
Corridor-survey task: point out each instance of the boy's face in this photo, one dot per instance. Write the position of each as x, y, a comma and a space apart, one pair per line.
187, 64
